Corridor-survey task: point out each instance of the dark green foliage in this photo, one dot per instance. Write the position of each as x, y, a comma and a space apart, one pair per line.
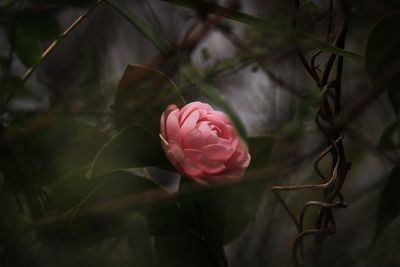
133, 147
39, 155
27, 31
143, 94
390, 137
388, 208
383, 57
27, 46
260, 148
44, 26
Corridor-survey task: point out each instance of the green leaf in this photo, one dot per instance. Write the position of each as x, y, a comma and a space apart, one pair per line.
243, 203
70, 190
260, 149
302, 39
197, 237
75, 193
140, 241
11, 85
388, 208
132, 147
75, 3
143, 94
47, 147
156, 37
120, 183
215, 96
390, 137
43, 26
383, 57
184, 249
27, 46
310, 42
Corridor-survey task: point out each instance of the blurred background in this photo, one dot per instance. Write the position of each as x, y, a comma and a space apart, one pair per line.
61, 66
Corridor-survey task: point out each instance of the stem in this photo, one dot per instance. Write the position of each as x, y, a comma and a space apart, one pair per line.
53, 45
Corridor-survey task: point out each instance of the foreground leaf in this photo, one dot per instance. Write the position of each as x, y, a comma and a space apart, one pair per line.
143, 94
153, 35
302, 39
46, 147
388, 208
43, 26
27, 46
383, 57
390, 137
260, 148
133, 147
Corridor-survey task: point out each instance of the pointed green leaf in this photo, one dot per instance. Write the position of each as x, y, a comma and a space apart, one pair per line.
243, 203
260, 148
388, 208
143, 94
132, 147
383, 57
390, 137
302, 39
43, 26
27, 46
156, 37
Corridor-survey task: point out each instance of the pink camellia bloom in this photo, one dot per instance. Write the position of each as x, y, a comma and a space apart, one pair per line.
202, 144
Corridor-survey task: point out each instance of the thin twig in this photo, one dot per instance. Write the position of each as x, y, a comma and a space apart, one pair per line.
53, 45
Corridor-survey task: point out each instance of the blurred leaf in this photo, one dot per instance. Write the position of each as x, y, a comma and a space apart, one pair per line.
307, 104
388, 208
11, 85
390, 137
165, 218
215, 96
152, 34
260, 149
70, 190
140, 241
142, 96
244, 201
383, 56
132, 147
292, 130
44, 26
27, 46
310, 42
46, 147
3, 61
74, 193
222, 214
300, 38
184, 249
120, 183
77, 3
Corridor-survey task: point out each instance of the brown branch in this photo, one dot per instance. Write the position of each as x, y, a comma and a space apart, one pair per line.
326, 122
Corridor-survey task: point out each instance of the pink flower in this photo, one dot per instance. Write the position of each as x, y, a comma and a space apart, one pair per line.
202, 144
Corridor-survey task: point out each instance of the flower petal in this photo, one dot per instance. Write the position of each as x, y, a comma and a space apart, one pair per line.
172, 128
164, 116
192, 170
218, 152
193, 139
173, 153
206, 165
190, 122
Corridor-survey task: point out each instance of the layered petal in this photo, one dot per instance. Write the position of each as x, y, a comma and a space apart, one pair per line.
172, 128
163, 119
206, 165
202, 144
